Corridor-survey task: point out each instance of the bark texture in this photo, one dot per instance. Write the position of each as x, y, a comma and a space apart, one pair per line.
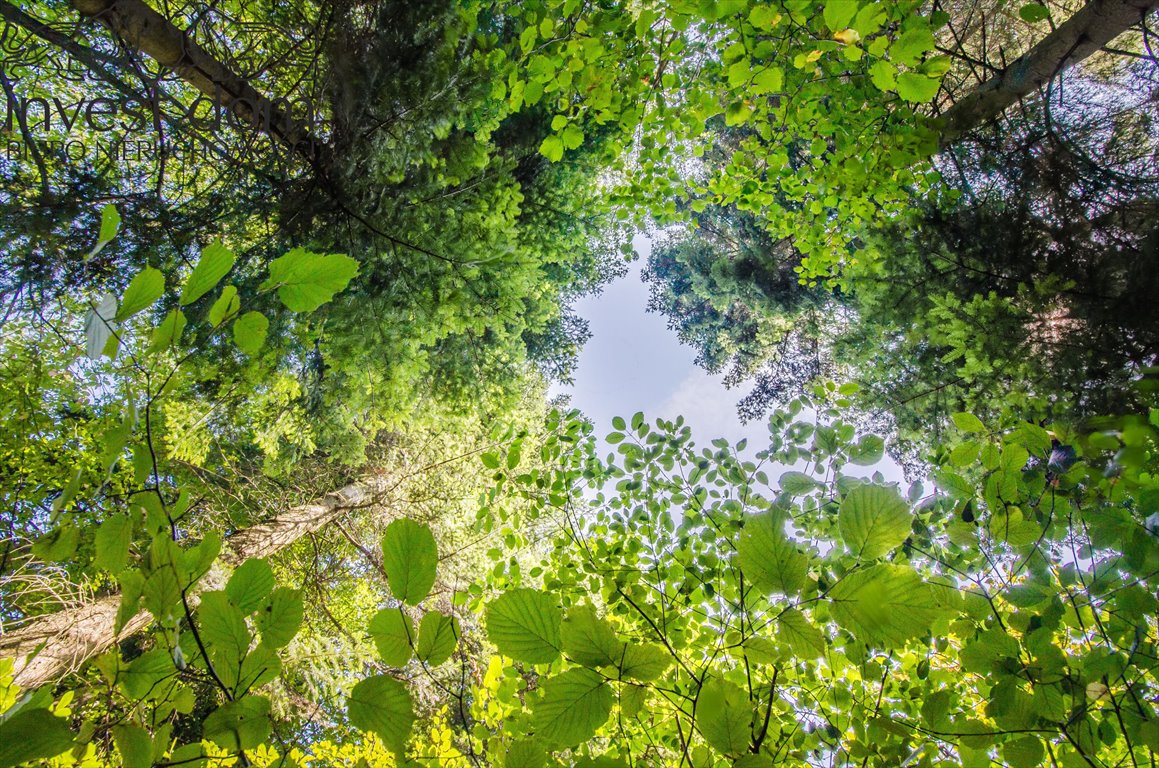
57, 644
142, 29
1092, 27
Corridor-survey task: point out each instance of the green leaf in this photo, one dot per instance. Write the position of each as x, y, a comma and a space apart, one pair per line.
573, 706
111, 542
33, 734
215, 263
223, 627
525, 753
382, 705
225, 307
250, 585
885, 605
144, 290
867, 451
873, 520
724, 716
135, 746
240, 724
1034, 12
572, 137
142, 678
249, 332
884, 75
769, 80
260, 666
168, 332
803, 639
644, 661
838, 13
912, 44
1024, 752
588, 639
552, 148
935, 707
279, 619
761, 650
306, 281
410, 559
110, 224
438, 636
393, 634
797, 483
57, 545
525, 625
769, 560
968, 422
917, 88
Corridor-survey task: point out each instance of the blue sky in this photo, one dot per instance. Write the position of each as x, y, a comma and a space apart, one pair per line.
633, 362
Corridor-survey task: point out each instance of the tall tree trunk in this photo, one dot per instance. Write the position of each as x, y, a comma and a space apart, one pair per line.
142, 29
60, 643
1096, 24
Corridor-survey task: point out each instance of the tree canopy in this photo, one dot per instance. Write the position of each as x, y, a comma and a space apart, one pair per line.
285, 287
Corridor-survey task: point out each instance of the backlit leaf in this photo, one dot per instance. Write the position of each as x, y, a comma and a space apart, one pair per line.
410, 559
874, 520
382, 705
525, 625
306, 281
572, 707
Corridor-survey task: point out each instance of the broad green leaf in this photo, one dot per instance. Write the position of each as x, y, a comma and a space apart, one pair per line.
410, 559
760, 649
1034, 12
250, 584
588, 639
240, 724
968, 422
917, 88
803, 639
225, 307
306, 281
884, 75
573, 706
724, 716
393, 633
1024, 752
797, 483
770, 561
525, 625
145, 673
215, 263
223, 627
382, 705
168, 332
839, 13
112, 541
144, 290
57, 545
438, 636
644, 661
33, 734
249, 332
135, 746
99, 326
885, 605
911, 44
867, 451
935, 708
260, 666
874, 520
110, 225
769, 80
552, 148
279, 619
525, 753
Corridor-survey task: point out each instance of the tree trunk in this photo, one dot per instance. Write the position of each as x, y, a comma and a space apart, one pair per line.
1096, 24
141, 28
57, 644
